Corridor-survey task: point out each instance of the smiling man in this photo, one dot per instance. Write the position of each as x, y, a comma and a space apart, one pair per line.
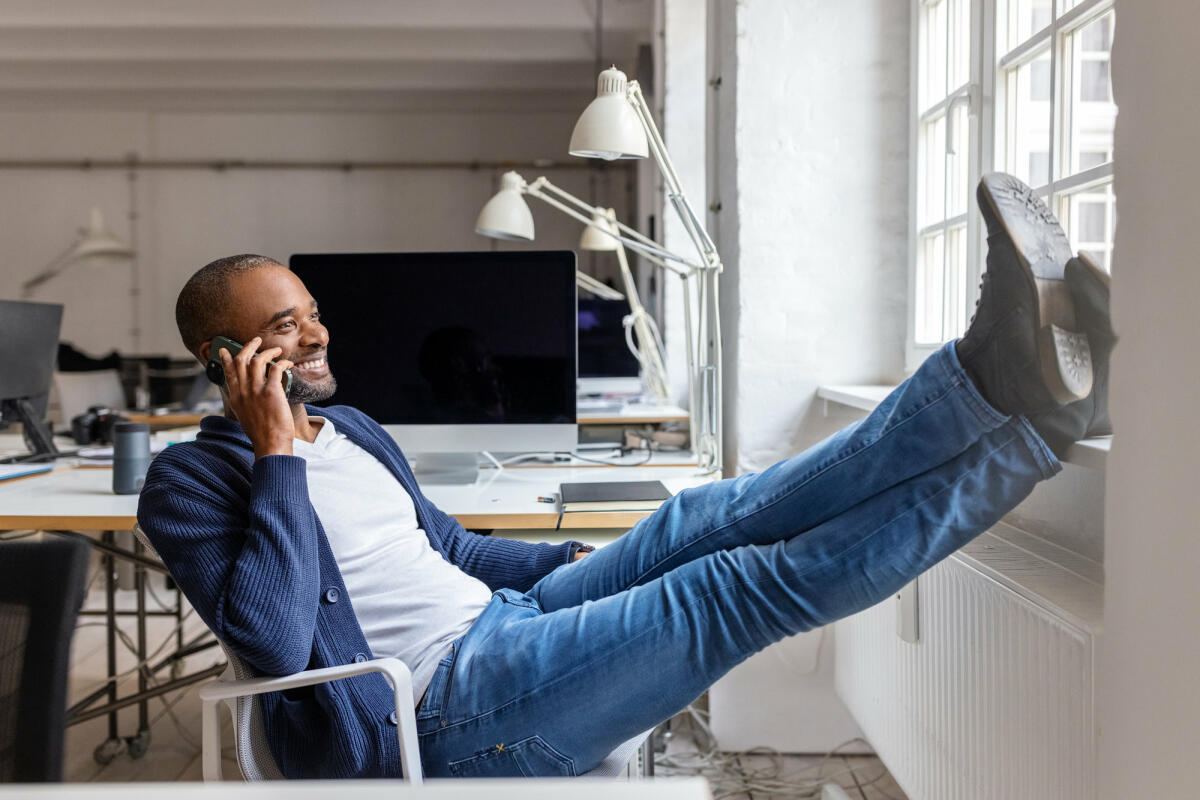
302, 539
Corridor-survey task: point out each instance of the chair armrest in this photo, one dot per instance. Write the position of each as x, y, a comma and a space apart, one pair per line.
394, 669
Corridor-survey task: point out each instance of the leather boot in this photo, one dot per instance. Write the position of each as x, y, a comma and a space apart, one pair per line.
1089, 417
1024, 349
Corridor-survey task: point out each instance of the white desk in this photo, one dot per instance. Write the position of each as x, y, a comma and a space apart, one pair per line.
503, 789
81, 498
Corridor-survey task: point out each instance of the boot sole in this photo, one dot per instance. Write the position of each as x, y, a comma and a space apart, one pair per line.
1042, 250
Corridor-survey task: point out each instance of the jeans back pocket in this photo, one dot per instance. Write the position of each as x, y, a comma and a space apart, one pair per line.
528, 758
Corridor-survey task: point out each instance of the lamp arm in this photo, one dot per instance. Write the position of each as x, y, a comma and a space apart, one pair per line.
549, 194
562, 194
52, 271
601, 290
704, 244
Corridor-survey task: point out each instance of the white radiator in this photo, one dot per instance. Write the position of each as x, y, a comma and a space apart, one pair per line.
995, 699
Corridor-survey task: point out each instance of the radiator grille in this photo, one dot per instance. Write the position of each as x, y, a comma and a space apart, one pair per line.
994, 701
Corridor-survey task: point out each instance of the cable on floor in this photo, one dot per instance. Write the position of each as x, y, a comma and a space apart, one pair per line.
728, 777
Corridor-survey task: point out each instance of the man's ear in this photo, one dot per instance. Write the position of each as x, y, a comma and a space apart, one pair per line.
203, 351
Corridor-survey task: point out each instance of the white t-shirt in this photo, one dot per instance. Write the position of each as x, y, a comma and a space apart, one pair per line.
410, 602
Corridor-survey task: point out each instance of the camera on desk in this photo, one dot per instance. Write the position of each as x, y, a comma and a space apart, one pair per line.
95, 425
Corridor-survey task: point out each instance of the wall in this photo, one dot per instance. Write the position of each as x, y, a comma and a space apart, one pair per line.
1148, 707
822, 203
188, 217
811, 165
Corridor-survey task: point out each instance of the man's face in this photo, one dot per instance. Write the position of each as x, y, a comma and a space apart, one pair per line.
271, 302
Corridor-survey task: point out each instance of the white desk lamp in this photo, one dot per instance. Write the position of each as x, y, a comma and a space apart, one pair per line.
507, 216
601, 236
95, 241
618, 125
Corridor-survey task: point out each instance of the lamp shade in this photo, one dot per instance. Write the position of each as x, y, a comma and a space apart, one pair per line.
594, 236
507, 215
609, 128
97, 240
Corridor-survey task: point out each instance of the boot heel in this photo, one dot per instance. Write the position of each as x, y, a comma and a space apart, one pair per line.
1066, 362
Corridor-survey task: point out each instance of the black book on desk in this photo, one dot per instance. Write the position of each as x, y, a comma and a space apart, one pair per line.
613, 496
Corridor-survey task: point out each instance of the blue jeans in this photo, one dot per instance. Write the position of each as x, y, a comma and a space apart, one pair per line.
549, 682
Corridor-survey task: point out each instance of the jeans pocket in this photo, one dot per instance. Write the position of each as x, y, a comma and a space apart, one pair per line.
528, 758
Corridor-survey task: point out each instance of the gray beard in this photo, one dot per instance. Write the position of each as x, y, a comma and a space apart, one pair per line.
304, 392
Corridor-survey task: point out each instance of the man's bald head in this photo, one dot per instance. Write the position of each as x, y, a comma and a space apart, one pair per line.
205, 300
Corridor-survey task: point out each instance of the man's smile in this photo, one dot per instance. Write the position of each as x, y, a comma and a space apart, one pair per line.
312, 367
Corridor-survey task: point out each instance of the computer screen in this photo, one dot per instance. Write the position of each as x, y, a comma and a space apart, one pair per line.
453, 351
28, 350
603, 351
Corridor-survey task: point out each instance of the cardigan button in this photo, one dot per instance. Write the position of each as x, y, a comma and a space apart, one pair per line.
360, 658
393, 719
332, 594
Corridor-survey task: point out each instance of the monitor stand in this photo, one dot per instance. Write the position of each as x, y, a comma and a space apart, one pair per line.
37, 436
445, 468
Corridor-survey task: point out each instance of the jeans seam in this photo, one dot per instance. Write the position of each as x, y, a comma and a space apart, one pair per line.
956, 381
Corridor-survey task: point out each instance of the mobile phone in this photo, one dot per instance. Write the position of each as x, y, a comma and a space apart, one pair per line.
216, 371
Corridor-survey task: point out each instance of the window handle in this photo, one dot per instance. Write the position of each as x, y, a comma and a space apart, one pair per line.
965, 96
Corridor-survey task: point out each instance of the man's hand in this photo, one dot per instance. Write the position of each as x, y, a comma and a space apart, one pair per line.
255, 395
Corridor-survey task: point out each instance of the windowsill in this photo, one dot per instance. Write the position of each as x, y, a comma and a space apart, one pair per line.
1089, 453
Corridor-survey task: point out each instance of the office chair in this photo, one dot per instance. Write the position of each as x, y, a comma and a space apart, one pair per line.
237, 686
41, 589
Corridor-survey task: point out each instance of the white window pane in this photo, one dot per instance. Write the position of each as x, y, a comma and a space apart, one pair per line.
1094, 82
1026, 123
1039, 167
932, 82
1020, 19
1089, 218
931, 173
958, 164
930, 289
1091, 114
959, 43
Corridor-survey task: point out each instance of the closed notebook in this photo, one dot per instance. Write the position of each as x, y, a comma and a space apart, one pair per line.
615, 496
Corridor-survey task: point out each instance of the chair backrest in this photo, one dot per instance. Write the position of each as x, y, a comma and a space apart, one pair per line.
250, 735
41, 588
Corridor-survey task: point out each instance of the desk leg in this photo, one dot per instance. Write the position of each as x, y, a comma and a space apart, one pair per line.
107, 750
139, 743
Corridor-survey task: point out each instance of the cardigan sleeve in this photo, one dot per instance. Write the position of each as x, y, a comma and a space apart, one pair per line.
498, 562
248, 564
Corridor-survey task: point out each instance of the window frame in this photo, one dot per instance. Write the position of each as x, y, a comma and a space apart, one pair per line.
984, 95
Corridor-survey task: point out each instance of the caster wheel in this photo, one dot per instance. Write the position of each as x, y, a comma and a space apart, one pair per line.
138, 745
107, 750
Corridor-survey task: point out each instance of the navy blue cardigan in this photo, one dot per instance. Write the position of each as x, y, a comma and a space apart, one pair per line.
243, 542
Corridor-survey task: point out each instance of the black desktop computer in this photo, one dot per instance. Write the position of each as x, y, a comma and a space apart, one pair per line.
28, 351
453, 352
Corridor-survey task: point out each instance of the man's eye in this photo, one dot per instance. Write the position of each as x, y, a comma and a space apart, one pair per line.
284, 325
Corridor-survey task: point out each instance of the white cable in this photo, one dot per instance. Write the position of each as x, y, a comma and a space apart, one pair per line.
729, 778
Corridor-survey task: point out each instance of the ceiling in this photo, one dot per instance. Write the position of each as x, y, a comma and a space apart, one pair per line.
312, 53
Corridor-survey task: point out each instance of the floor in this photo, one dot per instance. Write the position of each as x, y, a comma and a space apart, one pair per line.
174, 752
768, 775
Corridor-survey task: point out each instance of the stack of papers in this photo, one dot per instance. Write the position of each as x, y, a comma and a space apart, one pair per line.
21, 470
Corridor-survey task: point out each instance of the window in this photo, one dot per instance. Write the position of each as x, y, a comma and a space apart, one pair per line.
1020, 86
